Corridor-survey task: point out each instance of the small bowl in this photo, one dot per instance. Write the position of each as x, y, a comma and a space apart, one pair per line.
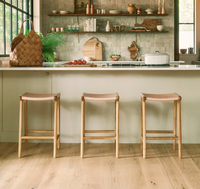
150, 11
63, 12
183, 51
54, 11
160, 27
115, 58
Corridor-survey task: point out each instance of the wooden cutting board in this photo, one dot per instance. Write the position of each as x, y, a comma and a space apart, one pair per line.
82, 65
93, 48
150, 24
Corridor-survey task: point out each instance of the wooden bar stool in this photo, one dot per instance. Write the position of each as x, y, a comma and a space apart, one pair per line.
100, 97
161, 97
56, 132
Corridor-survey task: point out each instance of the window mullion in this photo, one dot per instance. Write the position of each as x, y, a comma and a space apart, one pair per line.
27, 15
4, 28
11, 23
17, 19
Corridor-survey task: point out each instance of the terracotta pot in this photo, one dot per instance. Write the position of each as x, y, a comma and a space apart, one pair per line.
131, 8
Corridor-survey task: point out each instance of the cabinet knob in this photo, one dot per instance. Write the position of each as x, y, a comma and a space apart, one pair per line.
47, 73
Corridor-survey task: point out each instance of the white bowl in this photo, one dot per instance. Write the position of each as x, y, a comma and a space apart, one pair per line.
54, 11
160, 27
63, 12
150, 11
115, 12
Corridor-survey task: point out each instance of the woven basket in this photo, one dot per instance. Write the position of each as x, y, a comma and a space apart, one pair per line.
26, 51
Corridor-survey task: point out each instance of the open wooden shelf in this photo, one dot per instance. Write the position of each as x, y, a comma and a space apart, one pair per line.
113, 32
108, 14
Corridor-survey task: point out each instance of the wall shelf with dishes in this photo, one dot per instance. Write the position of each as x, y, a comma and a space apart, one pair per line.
123, 14
77, 32
91, 26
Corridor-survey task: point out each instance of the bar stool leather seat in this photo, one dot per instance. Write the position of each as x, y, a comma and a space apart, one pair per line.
56, 132
161, 97
100, 97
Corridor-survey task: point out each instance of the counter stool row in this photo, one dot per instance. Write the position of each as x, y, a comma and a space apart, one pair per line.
99, 97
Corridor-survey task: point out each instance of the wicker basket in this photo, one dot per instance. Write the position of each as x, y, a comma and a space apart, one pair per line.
26, 51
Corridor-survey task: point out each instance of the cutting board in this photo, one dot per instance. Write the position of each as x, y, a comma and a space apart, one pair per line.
93, 48
82, 65
150, 24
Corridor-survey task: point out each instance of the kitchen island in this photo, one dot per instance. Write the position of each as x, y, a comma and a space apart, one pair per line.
128, 82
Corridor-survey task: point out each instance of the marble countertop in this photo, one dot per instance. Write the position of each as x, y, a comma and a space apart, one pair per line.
107, 66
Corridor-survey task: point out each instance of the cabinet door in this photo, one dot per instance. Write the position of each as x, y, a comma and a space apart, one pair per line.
16, 83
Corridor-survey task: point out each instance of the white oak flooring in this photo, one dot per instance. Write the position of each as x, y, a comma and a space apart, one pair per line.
37, 169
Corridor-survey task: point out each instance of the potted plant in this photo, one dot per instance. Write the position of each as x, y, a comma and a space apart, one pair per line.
115, 57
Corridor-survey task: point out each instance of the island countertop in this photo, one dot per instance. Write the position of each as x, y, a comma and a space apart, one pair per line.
107, 66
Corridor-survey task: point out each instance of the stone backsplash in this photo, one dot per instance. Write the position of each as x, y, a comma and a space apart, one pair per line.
116, 43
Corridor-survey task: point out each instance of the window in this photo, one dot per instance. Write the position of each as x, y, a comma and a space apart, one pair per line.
187, 24
12, 14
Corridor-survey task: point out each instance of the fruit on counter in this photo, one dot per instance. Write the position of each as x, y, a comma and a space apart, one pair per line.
80, 62
70, 63
114, 55
75, 62
84, 62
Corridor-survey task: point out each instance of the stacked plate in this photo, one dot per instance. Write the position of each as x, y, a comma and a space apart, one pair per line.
115, 12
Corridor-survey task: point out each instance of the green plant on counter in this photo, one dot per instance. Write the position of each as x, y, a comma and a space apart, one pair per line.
50, 42
114, 55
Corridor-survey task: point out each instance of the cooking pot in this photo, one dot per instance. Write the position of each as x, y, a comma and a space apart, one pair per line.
157, 58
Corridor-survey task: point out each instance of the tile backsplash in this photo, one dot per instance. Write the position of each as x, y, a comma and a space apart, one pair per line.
113, 43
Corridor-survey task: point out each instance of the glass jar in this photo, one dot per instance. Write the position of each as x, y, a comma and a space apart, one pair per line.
77, 27
73, 28
69, 28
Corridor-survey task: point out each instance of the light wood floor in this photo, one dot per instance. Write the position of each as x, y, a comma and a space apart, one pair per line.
37, 169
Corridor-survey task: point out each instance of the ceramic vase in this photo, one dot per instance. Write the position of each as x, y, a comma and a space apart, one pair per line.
131, 8
108, 26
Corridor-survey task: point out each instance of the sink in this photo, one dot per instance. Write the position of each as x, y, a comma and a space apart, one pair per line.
187, 66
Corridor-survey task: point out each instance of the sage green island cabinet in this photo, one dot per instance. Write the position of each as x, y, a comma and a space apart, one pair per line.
15, 83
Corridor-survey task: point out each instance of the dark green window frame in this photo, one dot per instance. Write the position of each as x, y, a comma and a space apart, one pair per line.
176, 29
26, 11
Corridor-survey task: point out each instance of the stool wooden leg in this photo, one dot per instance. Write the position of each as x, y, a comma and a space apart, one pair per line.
141, 126
82, 125
117, 127
175, 123
144, 126
55, 129
58, 124
26, 122
20, 128
179, 129
115, 124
